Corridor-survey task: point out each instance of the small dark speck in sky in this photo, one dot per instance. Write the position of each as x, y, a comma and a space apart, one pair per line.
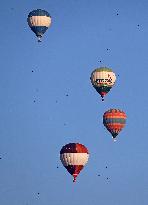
12, 8
64, 124
0, 158
34, 101
32, 71
138, 25
106, 167
38, 193
117, 14
57, 167
100, 61
56, 101
98, 175
107, 178
107, 49
67, 95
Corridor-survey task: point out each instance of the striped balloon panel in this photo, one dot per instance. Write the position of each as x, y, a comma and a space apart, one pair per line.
114, 126
74, 158
38, 12
39, 30
114, 129
74, 169
101, 77
114, 113
39, 21
102, 90
74, 148
114, 120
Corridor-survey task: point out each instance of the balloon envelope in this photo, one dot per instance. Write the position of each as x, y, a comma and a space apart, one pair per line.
103, 79
114, 120
74, 156
39, 21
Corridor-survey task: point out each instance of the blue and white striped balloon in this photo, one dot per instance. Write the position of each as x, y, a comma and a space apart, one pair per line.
39, 21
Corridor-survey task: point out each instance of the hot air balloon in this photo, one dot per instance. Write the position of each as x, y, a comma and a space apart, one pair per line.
73, 157
39, 21
103, 79
114, 120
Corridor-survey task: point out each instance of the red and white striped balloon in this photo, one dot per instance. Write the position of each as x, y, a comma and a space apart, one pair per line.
74, 156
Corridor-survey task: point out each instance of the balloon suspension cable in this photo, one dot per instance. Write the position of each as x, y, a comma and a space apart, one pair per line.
114, 135
74, 179
39, 39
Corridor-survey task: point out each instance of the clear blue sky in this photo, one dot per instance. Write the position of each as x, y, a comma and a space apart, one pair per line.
32, 133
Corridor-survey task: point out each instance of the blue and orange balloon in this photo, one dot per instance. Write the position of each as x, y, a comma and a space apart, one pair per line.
39, 21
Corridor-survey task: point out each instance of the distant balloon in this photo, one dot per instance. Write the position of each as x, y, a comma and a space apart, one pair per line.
39, 21
114, 120
73, 157
103, 79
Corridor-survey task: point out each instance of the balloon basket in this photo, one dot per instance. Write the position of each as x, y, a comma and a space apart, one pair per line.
39, 39
114, 139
